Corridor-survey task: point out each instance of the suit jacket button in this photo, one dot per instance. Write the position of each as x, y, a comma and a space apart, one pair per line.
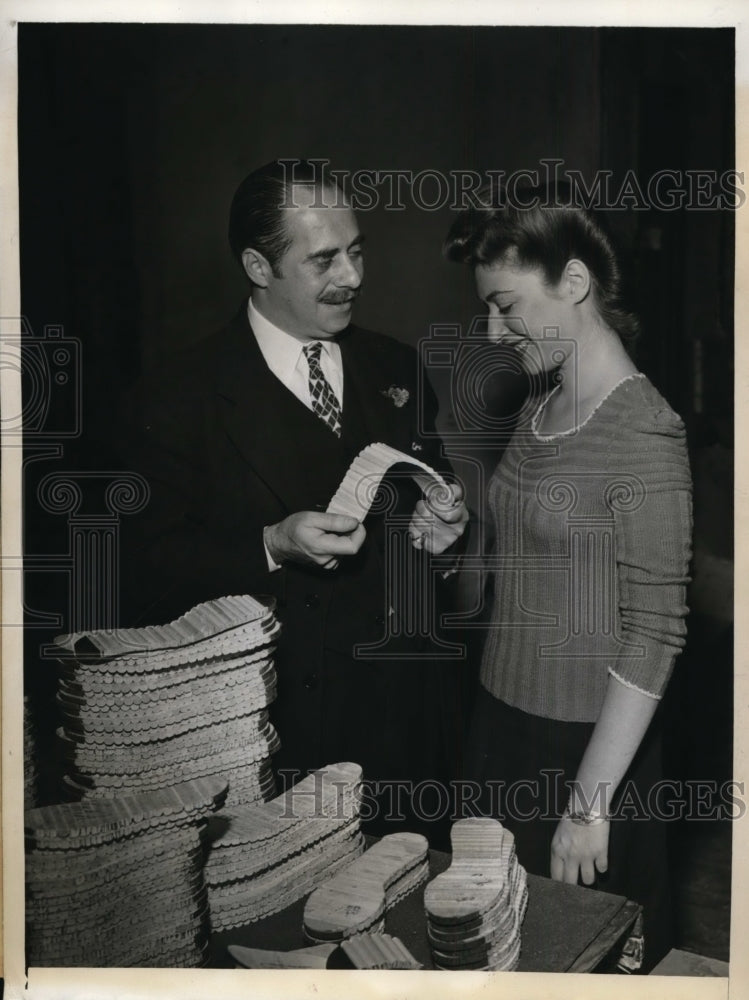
310, 682
311, 600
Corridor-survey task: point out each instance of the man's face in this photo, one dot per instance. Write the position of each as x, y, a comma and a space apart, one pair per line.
321, 272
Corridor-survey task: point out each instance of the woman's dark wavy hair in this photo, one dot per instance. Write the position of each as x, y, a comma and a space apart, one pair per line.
256, 216
542, 228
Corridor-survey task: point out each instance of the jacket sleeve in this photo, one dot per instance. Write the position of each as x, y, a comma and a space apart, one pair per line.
177, 551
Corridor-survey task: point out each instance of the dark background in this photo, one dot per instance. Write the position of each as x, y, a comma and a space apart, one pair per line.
132, 139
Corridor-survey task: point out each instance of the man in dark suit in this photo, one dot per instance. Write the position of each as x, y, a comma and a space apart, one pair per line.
244, 441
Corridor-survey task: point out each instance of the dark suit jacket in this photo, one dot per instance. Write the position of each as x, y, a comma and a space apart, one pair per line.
227, 449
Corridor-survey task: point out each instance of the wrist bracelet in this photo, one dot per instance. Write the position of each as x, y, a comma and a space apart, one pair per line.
584, 819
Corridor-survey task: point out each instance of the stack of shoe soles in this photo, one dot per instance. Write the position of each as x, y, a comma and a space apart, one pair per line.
356, 900
364, 951
314, 957
119, 882
475, 909
265, 856
373, 951
146, 708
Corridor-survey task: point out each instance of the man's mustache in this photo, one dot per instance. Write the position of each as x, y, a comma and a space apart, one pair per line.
337, 298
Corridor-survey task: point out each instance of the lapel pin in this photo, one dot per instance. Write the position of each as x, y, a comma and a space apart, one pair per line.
398, 396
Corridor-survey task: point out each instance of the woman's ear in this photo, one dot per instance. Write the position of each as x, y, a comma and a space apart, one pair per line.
576, 280
257, 267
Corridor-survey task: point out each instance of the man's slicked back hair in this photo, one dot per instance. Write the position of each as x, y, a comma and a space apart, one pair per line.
256, 217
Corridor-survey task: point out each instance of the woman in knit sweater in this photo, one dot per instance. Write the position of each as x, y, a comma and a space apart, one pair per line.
591, 505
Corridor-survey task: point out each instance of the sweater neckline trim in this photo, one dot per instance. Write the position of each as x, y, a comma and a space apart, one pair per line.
573, 430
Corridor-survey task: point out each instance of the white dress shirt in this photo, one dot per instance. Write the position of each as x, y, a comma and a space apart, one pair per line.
284, 356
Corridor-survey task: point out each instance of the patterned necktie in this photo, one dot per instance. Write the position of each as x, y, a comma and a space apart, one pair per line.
324, 401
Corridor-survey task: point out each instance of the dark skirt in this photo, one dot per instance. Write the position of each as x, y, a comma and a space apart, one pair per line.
521, 762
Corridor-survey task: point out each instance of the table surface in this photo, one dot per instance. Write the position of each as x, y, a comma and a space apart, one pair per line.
567, 928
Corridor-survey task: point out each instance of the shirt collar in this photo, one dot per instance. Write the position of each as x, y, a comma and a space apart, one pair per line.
280, 349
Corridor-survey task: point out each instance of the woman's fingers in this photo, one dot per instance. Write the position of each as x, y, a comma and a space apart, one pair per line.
577, 850
557, 868
588, 872
571, 872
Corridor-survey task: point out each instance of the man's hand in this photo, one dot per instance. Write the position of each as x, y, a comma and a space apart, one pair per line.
437, 522
314, 538
577, 849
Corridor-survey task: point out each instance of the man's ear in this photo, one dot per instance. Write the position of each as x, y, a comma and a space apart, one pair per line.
257, 267
576, 280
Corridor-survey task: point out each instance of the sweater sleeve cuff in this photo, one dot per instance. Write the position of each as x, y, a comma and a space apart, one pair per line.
633, 687
650, 673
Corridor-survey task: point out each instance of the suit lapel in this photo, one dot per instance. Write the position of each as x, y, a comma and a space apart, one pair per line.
366, 382
262, 416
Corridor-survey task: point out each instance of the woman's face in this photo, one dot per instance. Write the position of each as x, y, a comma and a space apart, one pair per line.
524, 312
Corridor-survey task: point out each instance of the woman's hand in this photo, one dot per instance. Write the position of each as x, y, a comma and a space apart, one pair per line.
579, 849
438, 522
